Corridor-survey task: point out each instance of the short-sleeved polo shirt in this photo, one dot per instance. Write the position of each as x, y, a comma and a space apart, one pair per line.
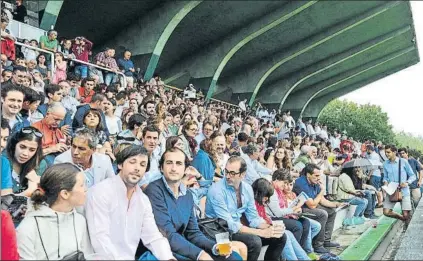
47, 43
302, 185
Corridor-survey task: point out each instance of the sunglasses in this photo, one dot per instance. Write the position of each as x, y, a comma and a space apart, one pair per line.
125, 138
27, 130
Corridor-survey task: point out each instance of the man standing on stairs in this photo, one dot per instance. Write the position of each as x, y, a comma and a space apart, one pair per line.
392, 169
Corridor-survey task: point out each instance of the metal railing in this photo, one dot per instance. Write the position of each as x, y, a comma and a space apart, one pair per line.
39, 50
70, 59
25, 31
102, 68
201, 95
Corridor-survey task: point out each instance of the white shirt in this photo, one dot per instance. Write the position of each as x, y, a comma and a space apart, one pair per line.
324, 134
116, 224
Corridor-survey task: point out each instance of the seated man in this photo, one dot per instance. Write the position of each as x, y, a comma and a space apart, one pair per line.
173, 209
232, 199
54, 142
97, 167
255, 170
323, 209
133, 131
119, 214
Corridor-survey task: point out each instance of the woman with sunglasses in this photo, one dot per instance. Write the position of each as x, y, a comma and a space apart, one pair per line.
53, 229
24, 154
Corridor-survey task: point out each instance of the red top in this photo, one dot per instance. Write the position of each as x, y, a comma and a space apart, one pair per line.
85, 98
9, 247
283, 202
262, 213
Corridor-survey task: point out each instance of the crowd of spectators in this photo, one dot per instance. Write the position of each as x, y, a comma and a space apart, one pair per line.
122, 168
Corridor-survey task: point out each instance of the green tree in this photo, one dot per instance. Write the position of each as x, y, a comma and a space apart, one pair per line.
359, 121
413, 144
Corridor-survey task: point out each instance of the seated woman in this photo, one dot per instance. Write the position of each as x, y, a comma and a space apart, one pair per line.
348, 193
231, 145
263, 190
368, 192
92, 120
189, 131
23, 154
304, 229
281, 159
54, 230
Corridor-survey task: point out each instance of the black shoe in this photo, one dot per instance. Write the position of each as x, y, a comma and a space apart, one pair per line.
321, 250
379, 206
331, 244
371, 216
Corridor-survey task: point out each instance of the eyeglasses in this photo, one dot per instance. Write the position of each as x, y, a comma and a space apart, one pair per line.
232, 173
193, 129
27, 130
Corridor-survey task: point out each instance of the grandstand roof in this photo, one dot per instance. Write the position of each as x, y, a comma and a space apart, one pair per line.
295, 55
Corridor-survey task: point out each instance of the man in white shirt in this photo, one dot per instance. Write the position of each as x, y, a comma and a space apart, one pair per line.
310, 129
119, 214
290, 120
324, 133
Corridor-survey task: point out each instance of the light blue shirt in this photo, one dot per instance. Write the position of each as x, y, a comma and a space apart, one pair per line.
222, 203
254, 170
199, 138
390, 170
154, 172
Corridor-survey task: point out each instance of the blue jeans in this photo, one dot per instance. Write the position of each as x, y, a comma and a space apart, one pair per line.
82, 70
361, 204
147, 256
292, 249
233, 257
376, 182
314, 230
371, 199
110, 77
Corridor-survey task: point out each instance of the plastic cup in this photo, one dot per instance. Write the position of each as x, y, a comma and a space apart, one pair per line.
374, 223
223, 244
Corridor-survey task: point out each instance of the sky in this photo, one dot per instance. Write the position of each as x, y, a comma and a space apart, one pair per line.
402, 90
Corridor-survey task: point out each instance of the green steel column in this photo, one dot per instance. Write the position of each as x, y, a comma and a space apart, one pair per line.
249, 38
50, 14
164, 37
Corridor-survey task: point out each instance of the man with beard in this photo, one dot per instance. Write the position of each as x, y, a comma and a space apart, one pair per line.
119, 214
211, 158
54, 141
97, 167
12, 97
232, 199
173, 211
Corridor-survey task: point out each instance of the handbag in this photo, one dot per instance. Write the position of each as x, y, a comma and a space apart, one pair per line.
397, 195
15, 205
213, 226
